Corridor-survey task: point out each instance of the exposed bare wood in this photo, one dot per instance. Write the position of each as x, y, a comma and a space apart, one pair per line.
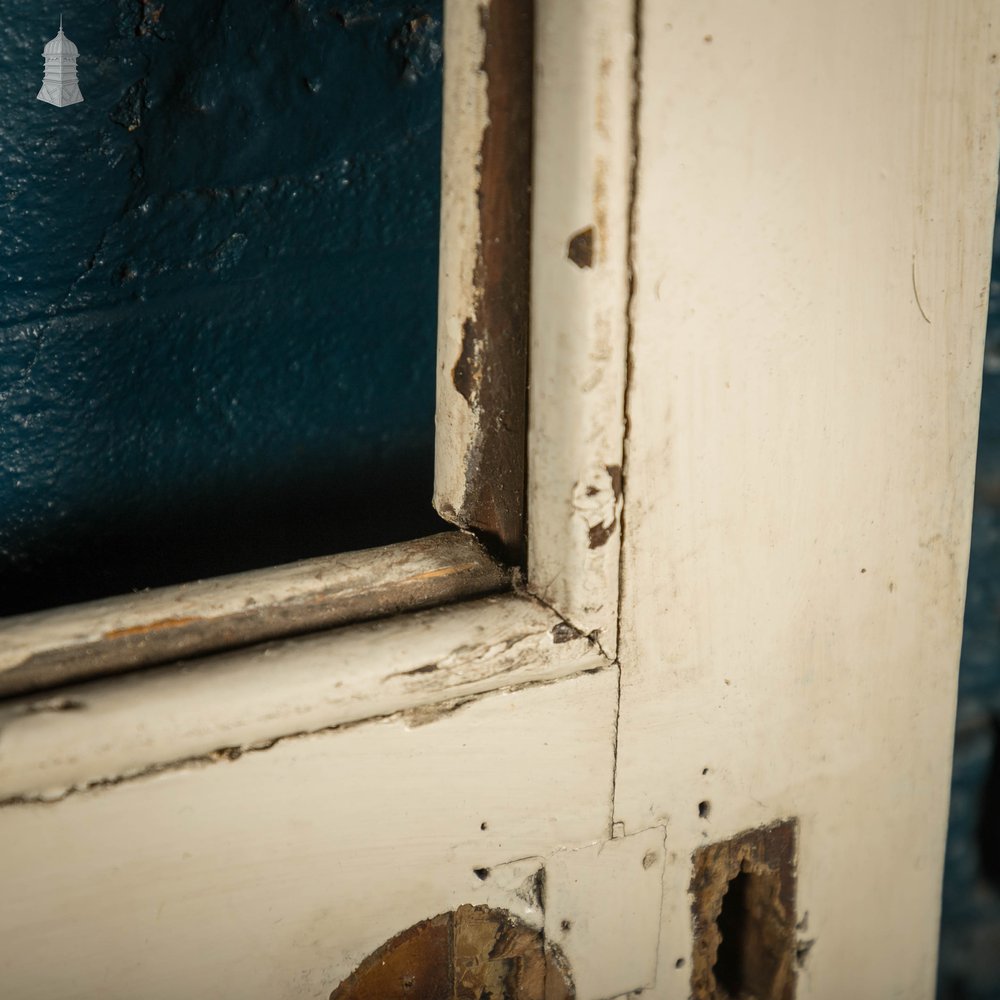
471, 952
422, 664
798, 481
811, 206
602, 909
69, 644
485, 270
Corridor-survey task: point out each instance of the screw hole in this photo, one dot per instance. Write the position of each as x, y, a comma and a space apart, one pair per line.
481, 873
704, 808
566, 925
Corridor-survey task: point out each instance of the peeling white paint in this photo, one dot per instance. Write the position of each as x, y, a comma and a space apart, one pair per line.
583, 147
796, 497
602, 907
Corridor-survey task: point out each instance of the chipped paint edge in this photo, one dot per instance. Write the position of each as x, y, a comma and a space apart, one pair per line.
465, 118
421, 665
584, 95
484, 271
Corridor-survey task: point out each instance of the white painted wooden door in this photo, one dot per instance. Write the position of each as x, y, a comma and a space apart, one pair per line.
760, 255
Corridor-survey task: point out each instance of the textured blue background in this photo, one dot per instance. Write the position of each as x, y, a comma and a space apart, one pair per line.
218, 282
970, 928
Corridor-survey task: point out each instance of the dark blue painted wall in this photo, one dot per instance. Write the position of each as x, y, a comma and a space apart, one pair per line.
218, 282
970, 926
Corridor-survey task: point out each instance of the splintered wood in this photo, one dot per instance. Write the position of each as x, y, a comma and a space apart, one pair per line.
466, 954
744, 916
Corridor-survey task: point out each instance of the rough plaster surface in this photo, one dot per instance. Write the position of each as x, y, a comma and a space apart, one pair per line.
217, 289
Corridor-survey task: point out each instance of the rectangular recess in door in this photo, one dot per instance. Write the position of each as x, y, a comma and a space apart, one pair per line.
744, 916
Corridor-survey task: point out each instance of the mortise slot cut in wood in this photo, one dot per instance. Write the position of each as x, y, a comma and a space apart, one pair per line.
744, 916
491, 370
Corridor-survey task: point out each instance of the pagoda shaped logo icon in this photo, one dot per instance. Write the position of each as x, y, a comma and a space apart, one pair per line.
59, 85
